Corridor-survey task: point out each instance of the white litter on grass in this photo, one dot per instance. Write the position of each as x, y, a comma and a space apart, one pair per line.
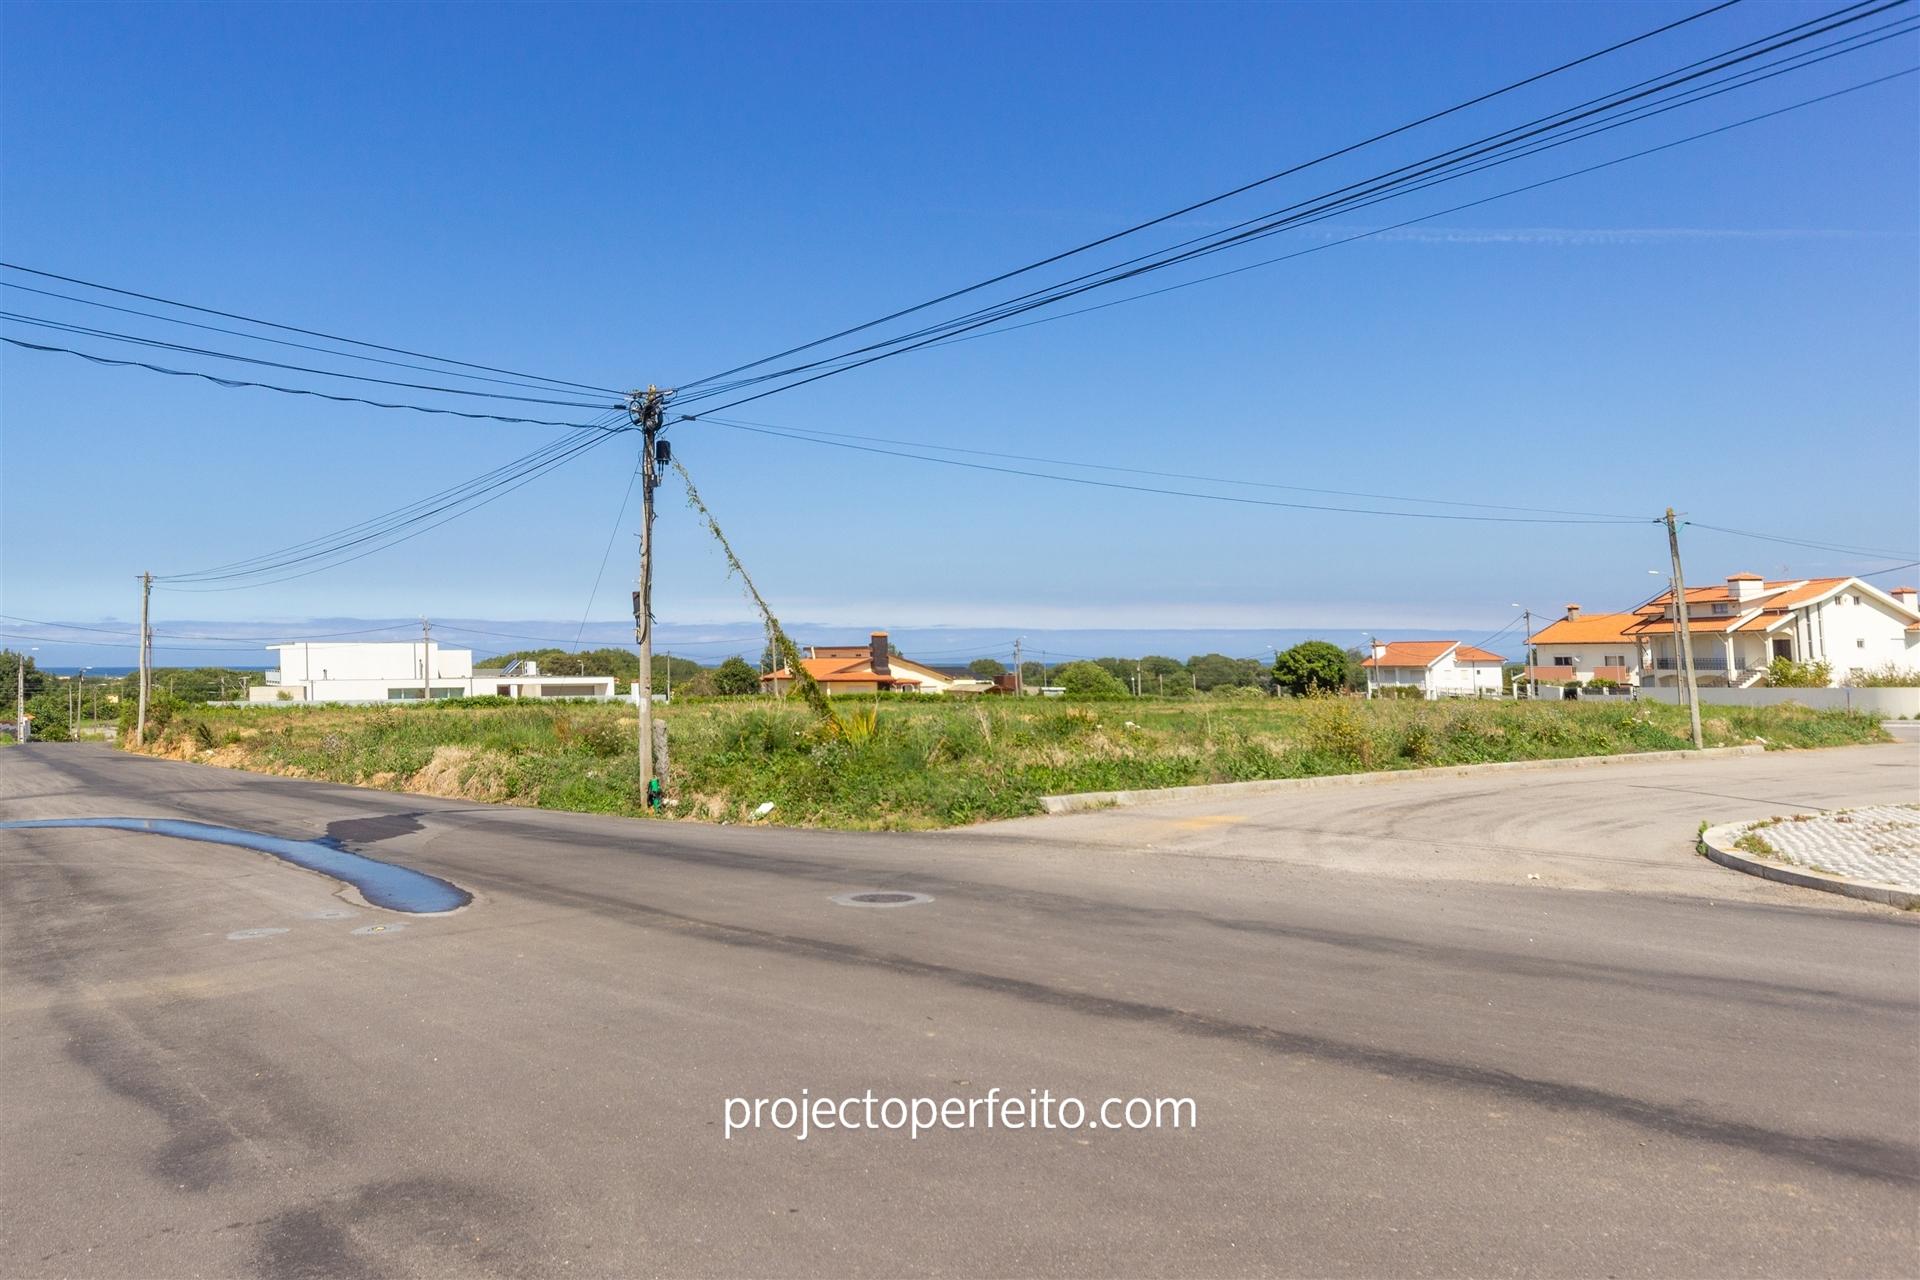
763, 810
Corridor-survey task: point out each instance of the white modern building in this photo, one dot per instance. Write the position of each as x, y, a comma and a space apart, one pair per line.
1438, 668
401, 672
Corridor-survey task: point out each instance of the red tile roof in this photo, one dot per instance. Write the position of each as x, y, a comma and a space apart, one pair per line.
1411, 653
1468, 654
1588, 628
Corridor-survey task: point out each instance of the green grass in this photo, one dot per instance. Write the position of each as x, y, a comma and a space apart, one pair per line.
928, 762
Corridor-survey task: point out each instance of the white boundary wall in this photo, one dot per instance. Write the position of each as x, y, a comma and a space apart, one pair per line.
1881, 702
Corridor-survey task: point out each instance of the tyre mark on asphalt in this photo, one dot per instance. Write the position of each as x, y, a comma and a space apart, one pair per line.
1871, 1158
705, 848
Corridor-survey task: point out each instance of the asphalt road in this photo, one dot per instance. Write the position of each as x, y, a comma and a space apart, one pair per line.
1406, 1058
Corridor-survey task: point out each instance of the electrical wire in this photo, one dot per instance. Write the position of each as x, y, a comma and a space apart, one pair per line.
62, 326
1227, 195
377, 525
618, 520
1171, 475
1801, 542
260, 337
1184, 493
287, 328
941, 333
418, 528
291, 391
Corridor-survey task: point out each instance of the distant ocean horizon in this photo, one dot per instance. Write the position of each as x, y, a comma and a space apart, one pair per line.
241, 646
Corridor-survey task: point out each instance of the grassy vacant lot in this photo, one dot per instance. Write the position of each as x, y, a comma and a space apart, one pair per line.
929, 762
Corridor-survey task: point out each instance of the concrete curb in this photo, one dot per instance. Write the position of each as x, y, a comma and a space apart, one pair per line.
1717, 844
1114, 799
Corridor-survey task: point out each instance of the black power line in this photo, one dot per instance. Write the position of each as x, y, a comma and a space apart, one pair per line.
287, 328
1226, 195
62, 326
261, 337
1383, 187
1153, 471
1184, 493
234, 383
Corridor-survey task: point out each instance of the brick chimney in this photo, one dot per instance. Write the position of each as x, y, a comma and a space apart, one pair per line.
1906, 596
1745, 586
1573, 611
880, 664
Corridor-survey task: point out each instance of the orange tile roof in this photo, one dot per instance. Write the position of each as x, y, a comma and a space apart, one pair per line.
1666, 626
842, 671
1411, 653
1467, 653
1588, 628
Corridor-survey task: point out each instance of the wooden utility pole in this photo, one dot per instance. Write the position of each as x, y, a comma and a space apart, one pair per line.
426, 661
20, 698
647, 410
146, 658
1019, 676
1687, 674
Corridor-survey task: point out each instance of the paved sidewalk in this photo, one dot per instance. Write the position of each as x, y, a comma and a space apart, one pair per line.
1880, 843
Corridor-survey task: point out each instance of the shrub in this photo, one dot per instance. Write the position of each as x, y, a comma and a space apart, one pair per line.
1887, 677
1784, 673
1087, 680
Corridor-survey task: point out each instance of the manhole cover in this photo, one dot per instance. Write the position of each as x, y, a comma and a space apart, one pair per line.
241, 935
881, 898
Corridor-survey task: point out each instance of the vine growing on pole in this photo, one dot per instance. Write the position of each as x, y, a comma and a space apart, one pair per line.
810, 690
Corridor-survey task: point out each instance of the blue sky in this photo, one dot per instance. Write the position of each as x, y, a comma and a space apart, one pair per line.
632, 194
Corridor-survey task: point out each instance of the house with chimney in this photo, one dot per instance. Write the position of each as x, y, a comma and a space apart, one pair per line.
1738, 628
871, 668
1437, 668
1582, 647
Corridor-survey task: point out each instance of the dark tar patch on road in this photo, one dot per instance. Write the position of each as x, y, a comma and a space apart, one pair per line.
383, 884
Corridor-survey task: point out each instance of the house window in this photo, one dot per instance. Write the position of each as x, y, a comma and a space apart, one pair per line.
1614, 660
1859, 644
1563, 662
1719, 608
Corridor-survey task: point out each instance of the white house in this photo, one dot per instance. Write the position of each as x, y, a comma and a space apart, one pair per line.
393, 672
1741, 626
1438, 668
1587, 646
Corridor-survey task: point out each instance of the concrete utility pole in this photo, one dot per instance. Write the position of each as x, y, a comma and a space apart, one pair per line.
1686, 633
20, 698
1019, 676
146, 659
647, 410
426, 661
1526, 615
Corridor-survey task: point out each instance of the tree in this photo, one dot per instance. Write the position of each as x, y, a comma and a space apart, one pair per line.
1089, 680
49, 710
987, 668
9, 664
1312, 666
735, 677
1035, 674
1212, 670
